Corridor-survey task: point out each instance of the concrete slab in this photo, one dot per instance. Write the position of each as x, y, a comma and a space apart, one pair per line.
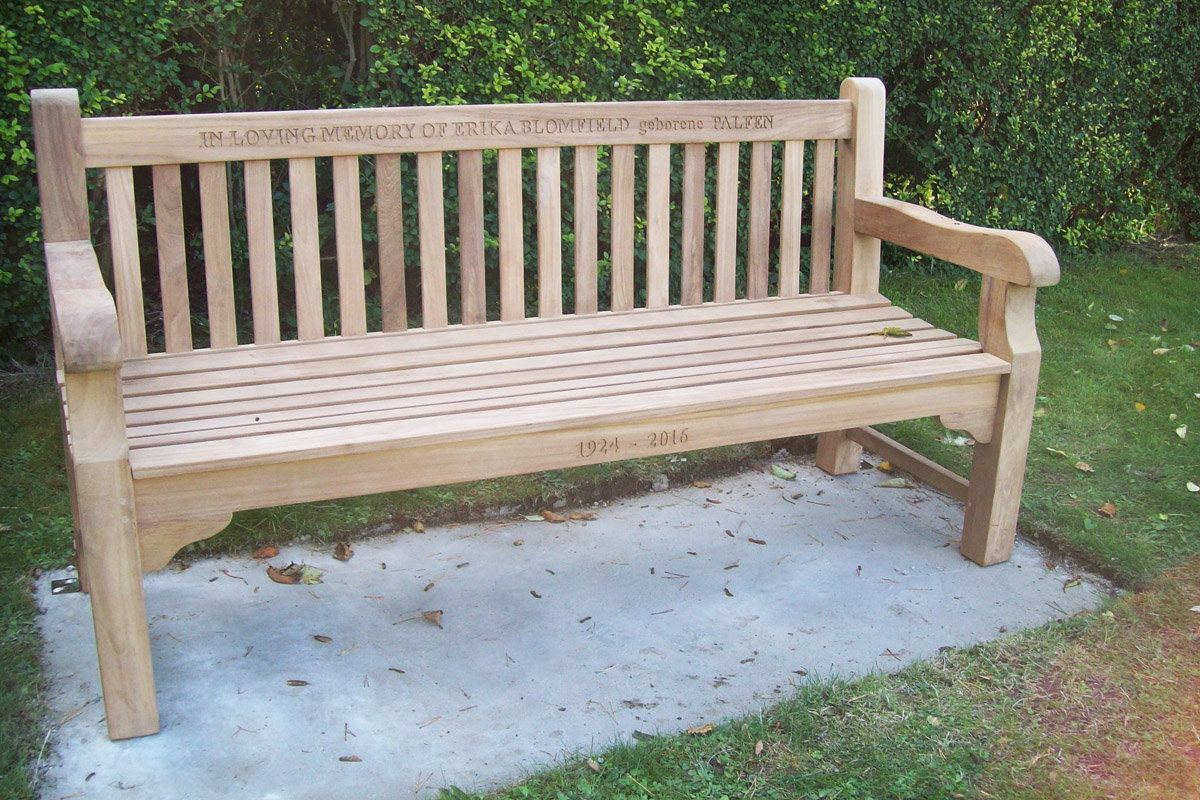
665, 611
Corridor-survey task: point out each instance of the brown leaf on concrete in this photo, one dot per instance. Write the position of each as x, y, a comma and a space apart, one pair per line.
297, 683
584, 515
291, 574
535, 594
350, 759
322, 639
428, 586
728, 593
270, 551
342, 551
756, 541
433, 616
701, 484
418, 526
551, 516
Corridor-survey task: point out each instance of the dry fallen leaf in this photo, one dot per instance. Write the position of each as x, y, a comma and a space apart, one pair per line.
428, 586
288, 575
322, 639
896, 483
298, 683
518, 542
418, 526
1161, 351
535, 594
551, 516
433, 616
270, 551
701, 484
593, 766
1057, 452
728, 593
756, 541
1139, 407
1107, 510
310, 576
1083, 466
350, 759
758, 748
702, 730
584, 515
1072, 583
884, 466
1181, 431
898, 333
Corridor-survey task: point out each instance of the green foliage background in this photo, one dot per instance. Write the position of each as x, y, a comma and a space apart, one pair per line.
1073, 118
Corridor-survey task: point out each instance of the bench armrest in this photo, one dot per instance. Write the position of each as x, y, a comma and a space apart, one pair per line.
84, 314
1018, 257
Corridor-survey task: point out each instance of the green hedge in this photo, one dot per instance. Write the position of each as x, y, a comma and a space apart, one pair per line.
1072, 119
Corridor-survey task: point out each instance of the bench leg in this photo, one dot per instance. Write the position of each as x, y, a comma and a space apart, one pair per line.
998, 467
837, 454
114, 577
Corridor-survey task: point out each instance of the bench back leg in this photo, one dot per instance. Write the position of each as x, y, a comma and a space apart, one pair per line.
837, 454
111, 559
998, 467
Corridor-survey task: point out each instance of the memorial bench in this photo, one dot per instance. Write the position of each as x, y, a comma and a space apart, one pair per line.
172, 421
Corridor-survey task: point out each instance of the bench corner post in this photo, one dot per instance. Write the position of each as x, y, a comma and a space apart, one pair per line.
998, 467
111, 562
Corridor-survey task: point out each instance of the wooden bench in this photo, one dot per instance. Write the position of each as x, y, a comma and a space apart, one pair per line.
174, 418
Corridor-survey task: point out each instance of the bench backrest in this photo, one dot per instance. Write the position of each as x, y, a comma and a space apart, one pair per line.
601, 146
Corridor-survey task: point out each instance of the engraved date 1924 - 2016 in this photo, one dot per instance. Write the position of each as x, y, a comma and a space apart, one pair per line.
612, 446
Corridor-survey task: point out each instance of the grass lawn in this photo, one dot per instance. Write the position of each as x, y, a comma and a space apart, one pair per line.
1096, 706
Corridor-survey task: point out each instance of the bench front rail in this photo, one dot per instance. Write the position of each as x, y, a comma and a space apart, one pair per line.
687, 278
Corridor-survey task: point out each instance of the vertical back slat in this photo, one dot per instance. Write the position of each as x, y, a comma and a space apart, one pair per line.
389, 218
431, 220
127, 271
549, 196
218, 263
621, 253
727, 202
586, 230
791, 217
347, 214
818, 271
306, 249
260, 231
512, 239
760, 220
470, 236
692, 288
172, 262
658, 225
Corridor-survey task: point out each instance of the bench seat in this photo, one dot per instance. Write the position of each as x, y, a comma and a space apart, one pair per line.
218, 432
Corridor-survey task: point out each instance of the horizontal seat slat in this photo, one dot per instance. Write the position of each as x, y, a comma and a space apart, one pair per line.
571, 342
206, 404
162, 364
548, 390
276, 448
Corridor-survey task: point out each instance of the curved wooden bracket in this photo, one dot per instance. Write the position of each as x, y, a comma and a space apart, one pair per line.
979, 423
160, 541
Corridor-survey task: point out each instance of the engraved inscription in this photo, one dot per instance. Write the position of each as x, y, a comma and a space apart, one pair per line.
653, 440
589, 448
540, 126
